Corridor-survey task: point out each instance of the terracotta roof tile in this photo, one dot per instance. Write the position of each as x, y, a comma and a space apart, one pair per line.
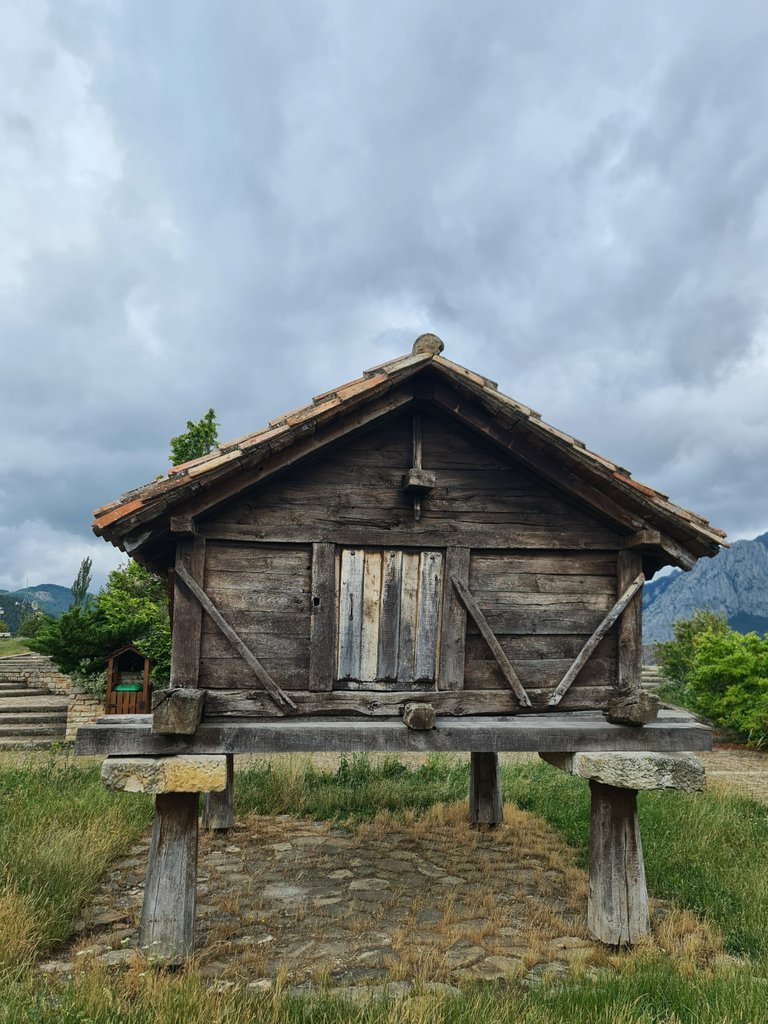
118, 513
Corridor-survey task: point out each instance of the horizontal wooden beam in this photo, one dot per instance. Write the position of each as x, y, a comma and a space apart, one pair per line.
556, 731
650, 540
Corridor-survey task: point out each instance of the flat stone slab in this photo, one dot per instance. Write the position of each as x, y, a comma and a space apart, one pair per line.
641, 771
181, 773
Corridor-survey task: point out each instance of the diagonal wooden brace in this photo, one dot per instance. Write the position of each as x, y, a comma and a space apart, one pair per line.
280, 698
594, 640
473, 609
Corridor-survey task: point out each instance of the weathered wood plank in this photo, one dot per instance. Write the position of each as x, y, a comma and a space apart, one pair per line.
617, 910
279, 697
167, 927
485, 803
629, 627
539, 647
234, 674
486, 674
389, 622
350, 612
243, 559
474, 611
187, 616
488, 565
428, 614
454, 622
322, 647
369, 638
553, 731
595, 639
409, 608
218, 813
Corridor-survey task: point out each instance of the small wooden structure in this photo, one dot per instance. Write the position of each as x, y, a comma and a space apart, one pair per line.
127, 682
413, 537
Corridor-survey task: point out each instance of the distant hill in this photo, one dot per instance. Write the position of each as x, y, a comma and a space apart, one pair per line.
735, 582
48, 597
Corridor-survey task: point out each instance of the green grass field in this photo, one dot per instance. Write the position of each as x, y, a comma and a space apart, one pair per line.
12, 645
59, 831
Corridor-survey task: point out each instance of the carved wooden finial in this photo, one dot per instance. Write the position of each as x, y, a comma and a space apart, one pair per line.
428, 344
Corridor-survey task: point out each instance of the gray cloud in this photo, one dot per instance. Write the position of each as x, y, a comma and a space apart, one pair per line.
242, 205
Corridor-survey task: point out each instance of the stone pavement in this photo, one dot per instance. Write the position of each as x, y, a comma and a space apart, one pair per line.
308, 903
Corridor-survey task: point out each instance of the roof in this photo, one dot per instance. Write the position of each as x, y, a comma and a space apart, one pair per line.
130, 515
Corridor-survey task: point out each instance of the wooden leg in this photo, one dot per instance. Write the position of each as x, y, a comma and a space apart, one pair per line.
485, 805
168, 915
217, 807
618, 899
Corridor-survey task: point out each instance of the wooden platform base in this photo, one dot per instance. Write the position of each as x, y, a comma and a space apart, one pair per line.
558, 731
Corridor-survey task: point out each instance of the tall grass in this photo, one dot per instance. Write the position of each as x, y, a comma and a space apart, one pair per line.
649, 992
59, 831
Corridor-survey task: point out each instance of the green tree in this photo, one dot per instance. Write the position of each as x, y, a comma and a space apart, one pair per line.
199, 439
4, 627
131, 609
32, 621
82, 584
676, 656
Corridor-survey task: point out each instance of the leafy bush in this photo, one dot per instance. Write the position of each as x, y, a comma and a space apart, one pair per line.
718, 672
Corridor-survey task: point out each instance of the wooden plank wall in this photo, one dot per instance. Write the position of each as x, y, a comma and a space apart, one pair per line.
542, 568
264, 592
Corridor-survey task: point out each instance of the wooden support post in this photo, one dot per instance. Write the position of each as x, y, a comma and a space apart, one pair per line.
485, 804
617, 912
168, 914
217, 807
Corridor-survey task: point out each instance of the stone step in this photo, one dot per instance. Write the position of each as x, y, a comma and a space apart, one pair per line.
29, 743
52, 718
25, 691
30, 705
36, 731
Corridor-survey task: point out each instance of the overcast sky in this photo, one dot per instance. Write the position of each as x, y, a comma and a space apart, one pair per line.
241, 204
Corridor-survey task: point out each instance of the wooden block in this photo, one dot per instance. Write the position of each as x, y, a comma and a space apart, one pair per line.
177, 711
636, 770
167, 927
617, 911
485, 803
419, 716
218, 814
179, 773
418, 481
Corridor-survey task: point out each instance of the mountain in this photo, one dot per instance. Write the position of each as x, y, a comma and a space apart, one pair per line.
48, 597
735, 582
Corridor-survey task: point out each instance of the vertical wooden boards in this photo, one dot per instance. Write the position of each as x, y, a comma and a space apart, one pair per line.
350, 612
218, 814
409, 607
369, 639
485, 803
389, 611
322, 630
168, 914
389, 619
187, 616
617, 912
428, 613
629, 629
453, 631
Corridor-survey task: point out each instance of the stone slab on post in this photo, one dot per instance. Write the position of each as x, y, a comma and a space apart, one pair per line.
167, 929
178, 773
617, 912
218, 814
485, 803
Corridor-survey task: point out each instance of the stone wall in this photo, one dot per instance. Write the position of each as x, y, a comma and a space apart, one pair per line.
82, 710
34, 670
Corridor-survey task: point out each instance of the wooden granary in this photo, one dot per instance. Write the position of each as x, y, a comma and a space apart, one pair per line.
411, 548
127, 690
